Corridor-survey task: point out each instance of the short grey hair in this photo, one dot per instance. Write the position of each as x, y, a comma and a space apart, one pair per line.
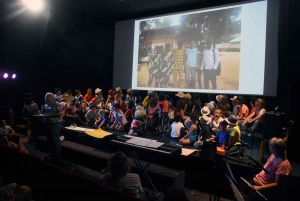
48, 94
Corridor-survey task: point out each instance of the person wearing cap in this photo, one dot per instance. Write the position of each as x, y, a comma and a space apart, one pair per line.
191, 61
58, 96
205, 131
235, 135
120, 119
88, 96
243, 110
98, 94
136, 124
178, 66
188, 104
210, 62
129, 96
92, 115
191, 136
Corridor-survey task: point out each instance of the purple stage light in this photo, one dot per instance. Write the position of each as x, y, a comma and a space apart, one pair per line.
5, 75
13, 76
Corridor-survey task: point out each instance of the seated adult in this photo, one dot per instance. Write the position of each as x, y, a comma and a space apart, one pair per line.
235, 135
271, 185
191, 136
8, 131
118, 175
254, 120
13, 192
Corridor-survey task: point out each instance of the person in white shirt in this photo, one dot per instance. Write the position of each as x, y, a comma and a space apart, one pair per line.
120, 119
210, 62
177, 128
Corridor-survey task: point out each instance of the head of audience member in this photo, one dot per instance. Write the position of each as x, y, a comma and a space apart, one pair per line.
194, 117
277, 147
98, 92
70, 92
111, 92
3, 123
138, 102
58, 91
252, 101
110, 99
233, 100
130, 104
192, 44
239, 101
102, 103
177, 118
222, 126
77, 105
168, 47
129, 91
74, 101
261, 103
153, 103
211, 97
118, 165
218, 113
162, 96
95, 101
89, 91
102, 112
49, 97
77, 93
175, 194
118, 90
231, 120
117, 107
180, 44
93, 108
208, 44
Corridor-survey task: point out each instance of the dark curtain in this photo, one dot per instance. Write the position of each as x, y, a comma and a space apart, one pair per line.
289, 69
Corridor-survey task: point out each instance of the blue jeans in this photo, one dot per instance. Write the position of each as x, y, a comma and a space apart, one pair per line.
52, 134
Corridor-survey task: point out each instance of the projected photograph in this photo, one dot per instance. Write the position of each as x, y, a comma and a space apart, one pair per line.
191, 51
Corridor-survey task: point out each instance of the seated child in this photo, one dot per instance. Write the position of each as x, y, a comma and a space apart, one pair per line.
103, 121
123, 104
129, 111
141, 110
221, 138
215, 120
136, 124
177, 128
120, 119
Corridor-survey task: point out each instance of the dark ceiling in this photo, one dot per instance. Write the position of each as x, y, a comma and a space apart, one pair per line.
127, 9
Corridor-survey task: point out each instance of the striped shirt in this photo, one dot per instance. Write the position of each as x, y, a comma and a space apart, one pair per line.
130, 183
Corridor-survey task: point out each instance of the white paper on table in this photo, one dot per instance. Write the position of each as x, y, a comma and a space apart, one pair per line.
134, 140
145, 142
154, 144
186, 152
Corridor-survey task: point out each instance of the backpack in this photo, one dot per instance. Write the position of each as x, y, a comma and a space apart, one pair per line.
218, 70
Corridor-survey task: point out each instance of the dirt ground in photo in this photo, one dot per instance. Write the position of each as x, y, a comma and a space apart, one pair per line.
228, 80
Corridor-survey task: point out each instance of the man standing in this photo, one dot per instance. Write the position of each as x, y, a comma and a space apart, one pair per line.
52, 111
191, 62
166, 66
210, 62
153, 65
178, 66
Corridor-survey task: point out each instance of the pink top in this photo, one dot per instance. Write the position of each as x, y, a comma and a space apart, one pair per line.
282, 168
134, 124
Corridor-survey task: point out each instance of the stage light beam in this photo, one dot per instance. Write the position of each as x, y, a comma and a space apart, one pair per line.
5, 75
13, 76
34, 5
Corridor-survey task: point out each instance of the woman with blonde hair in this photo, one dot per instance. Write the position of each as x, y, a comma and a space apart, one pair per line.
270, 183
255, 119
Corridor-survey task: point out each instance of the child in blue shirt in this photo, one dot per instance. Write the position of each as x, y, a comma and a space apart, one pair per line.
103, 120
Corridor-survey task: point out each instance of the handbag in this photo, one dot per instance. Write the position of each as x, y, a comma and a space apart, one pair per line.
218, 70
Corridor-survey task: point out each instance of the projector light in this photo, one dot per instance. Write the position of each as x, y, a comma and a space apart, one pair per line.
13, 76
5, 75
34, 5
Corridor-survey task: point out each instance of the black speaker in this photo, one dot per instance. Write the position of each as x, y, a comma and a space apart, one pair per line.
273, 122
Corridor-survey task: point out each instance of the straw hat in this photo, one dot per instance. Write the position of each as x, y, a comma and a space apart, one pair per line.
180, 94
187, 96
97, 90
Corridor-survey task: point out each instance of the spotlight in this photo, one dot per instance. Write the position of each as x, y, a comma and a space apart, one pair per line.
34, 5
13, 76
5, 75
